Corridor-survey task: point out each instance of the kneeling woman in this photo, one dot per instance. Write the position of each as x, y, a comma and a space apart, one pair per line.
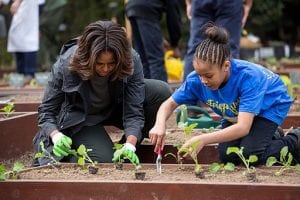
98, 80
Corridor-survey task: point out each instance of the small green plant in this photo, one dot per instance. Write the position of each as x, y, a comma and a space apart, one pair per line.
239, 152
187, 129
285, 160
121, 160
11, 174
191, 150
251, 172
82, 155
118, 146
176, 157
45, 154
216, 167
8, 109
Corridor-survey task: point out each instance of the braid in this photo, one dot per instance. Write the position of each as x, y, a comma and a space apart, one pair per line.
215, 48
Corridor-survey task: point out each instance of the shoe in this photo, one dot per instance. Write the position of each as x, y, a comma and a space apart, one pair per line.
278, 133
295, 135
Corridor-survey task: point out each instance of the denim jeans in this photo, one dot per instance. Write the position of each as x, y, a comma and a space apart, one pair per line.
225, 13
147, 41
26, 62
96, 138
258, 142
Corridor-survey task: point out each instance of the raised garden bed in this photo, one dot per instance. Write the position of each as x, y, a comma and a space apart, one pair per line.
71, 182
17, 132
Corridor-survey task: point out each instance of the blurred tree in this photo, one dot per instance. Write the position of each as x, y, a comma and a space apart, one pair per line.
265, 19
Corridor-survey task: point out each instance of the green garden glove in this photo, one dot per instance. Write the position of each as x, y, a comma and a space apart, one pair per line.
62, 144
126, 152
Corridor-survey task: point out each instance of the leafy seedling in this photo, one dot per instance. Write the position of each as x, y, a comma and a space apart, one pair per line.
176, 157
187, 129
8, 109
82, 155
11, 174
251, 172
217, 167
46, 154
139, 175
285, 160
120, 161
199, 172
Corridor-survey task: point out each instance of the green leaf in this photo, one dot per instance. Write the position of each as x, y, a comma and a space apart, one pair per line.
18, 166
117, 146
2, 169
81, 150
182, 125
39, 155
290, 159
229, 166
81, 161
232, 150
253, 158
271, 161
283, 153
214, 167
184, 150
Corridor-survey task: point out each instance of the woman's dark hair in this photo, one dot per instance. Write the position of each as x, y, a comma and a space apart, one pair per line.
98, 37
215, 49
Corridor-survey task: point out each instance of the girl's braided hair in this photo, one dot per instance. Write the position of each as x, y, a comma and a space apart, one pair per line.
215, 49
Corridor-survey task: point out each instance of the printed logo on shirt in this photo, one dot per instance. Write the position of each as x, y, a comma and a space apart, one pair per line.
228, 111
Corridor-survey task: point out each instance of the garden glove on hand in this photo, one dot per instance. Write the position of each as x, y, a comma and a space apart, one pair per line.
62, 144
126, 152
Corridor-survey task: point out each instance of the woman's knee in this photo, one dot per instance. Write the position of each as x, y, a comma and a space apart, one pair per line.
156, 91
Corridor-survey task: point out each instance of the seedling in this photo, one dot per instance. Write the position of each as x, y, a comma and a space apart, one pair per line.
176, 157
187, 129
191, 150
46, 154
11, 174
82, 155
8, 109
216, 167
285, 160
138, 174
120, 161
251, 172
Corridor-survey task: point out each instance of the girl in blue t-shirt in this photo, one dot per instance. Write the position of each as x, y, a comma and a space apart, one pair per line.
251, 100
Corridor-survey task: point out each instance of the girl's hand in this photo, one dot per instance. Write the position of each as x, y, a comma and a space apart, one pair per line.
188, 145
157, 137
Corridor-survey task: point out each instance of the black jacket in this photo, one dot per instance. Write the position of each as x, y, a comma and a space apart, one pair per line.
154, 9
66, 100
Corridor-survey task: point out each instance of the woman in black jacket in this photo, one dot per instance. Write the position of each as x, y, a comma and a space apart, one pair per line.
97, 81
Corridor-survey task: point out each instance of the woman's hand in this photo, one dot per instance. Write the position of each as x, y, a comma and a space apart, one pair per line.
199, 144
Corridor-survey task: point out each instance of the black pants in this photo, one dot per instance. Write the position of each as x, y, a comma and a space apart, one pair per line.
258, 142
96, 137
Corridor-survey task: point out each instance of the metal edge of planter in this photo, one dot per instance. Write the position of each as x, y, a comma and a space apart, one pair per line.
17, 134
130, 189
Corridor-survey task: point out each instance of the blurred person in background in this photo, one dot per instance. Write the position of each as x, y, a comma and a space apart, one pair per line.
145, 18
23, 36
232, 15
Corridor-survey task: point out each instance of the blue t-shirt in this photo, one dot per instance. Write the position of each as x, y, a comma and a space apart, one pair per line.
250, 88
